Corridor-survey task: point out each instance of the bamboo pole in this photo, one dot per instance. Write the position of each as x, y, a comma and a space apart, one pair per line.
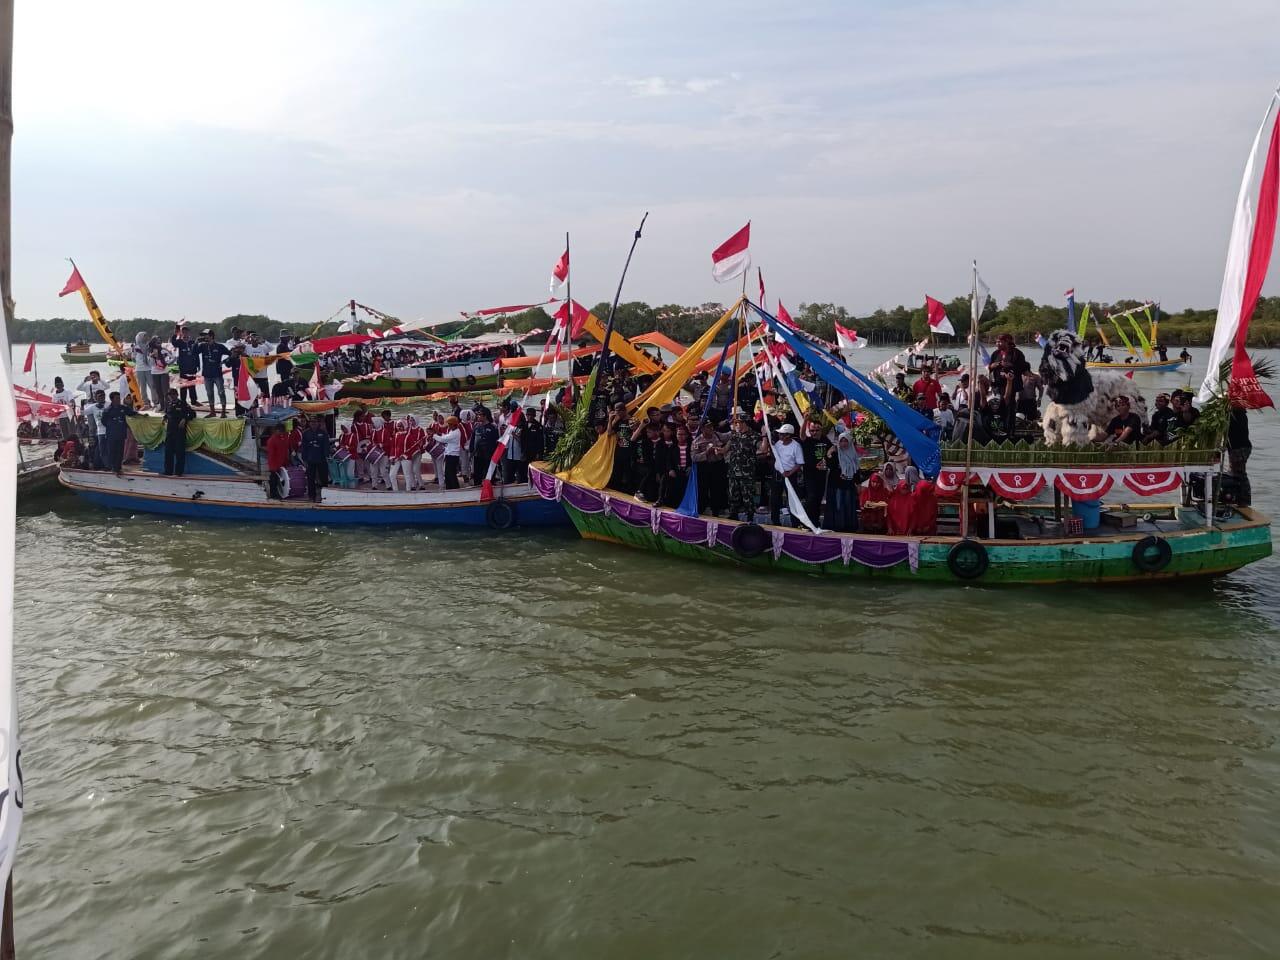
973, 405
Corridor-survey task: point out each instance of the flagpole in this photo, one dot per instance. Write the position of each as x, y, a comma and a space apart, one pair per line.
613, 310
973, 405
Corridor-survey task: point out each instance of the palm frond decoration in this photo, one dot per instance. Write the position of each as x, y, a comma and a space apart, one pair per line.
579, 434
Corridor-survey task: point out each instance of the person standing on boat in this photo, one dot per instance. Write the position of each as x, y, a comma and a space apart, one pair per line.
177, 415
384, 436
1007, 366
114, 425
188, 360
709, 450
484, 442
740, 466
141, 357
277, 448
415, 444
257, 350
788, 463
621, 427
94, 411
68, 400
210, 354
926, 390
159, 372
1238, 449
846, 475
315, 457
452, 440
513, 467
817, 473
944, 416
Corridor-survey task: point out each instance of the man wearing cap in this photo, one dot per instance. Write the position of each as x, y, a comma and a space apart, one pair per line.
211, 354
1160, 420
788, 463
188, 360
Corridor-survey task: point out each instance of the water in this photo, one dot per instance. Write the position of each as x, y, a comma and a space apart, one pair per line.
267, 741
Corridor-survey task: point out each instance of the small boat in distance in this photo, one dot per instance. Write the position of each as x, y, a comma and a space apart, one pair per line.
79, 352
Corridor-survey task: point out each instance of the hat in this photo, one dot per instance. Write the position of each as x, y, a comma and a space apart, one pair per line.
739, 412
207, 331
1162, 396
786, 429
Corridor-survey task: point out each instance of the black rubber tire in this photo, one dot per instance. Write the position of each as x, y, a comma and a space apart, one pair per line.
750, 540
455, 384
471, 381
968, 560
1145, 560
397, 383
422, 386
501, 515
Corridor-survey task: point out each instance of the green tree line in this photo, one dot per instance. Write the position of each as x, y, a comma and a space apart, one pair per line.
1021, 316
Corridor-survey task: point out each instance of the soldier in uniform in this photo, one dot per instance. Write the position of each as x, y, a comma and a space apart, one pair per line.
740, 463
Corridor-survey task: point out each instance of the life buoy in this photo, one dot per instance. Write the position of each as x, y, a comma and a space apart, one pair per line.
422, 386
750, 540
501, 515
396, 383
471, 380
455, 384
1152, 554
968, 560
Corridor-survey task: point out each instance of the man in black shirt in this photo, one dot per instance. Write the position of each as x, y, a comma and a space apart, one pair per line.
176, 417
1238, 449
1160, 420
1125, 427
211, 354
1184, 413
816, 446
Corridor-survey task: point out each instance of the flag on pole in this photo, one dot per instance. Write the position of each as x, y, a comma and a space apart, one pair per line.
1248, 257
936, 314
74, 283
560, 273
246, 390
760, 277
981, 293
1071, 307
785, 318
849, 339
31, 358
317, 385
486, 488
732, 258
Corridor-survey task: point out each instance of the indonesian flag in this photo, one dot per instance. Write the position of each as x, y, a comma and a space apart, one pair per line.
1248, 257
732, 258
760, 277
74, 283
486, 488
560, 273
939, 322
849, 339
246, 390
31, 359
784, 318
574, 326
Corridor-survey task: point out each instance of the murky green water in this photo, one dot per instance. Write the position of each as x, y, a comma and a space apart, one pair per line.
265, 741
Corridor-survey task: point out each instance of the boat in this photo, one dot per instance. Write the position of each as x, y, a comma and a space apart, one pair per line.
1020, 542
1166, 542
80, 352
1138, 366
224, 482
243, 497
1147, 357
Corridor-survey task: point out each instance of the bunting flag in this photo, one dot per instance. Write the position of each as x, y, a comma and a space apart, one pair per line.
760, 277
31, 359
732, 258
784, 317
1248, 257
936, 314
317, 385
848, 339
560, 273
486, 488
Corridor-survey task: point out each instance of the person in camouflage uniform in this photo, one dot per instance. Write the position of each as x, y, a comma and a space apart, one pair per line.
740, 461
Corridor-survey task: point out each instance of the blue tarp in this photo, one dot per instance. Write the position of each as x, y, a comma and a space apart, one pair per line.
918, 434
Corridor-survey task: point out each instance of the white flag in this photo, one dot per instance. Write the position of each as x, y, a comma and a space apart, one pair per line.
981, 293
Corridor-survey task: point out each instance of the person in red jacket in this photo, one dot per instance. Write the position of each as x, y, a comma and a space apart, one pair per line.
415, 444
277, 463
361, 437
384, 436
924, 509
398, 458
926, 390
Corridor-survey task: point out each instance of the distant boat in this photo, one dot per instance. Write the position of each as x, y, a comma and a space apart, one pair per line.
79, 352
1139, 366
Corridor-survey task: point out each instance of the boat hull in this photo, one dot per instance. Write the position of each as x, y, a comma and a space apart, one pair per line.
1194, 553
1172, 366
84, 357
243, 499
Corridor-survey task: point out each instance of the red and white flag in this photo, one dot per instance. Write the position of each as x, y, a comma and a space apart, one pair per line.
560, 273
1253, 235
31, 359
939, 322
732, 258
849, 339
784, 318
486, 488
760, 277
246, 390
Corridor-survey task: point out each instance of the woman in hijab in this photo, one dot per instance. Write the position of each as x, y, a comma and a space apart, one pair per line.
899, 512
844, 485
874, 499
924, 509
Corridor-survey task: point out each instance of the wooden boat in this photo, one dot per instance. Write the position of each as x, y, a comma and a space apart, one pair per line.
1177, 542
417, 381
243, 497
1139, 366
79, 352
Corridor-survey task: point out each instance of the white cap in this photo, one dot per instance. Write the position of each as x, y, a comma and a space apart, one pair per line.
787, 429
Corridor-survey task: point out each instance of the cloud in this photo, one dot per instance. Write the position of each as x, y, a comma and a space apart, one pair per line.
667, 87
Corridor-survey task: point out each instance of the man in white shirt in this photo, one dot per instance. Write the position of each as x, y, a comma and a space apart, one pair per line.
91, 384
960, 398
788, 463
93, 412
944, 416
256, 348
68, 399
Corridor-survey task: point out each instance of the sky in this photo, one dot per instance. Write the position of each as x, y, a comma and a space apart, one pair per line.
425, 158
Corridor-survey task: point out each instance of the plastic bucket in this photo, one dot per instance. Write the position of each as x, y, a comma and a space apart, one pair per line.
1089, 511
